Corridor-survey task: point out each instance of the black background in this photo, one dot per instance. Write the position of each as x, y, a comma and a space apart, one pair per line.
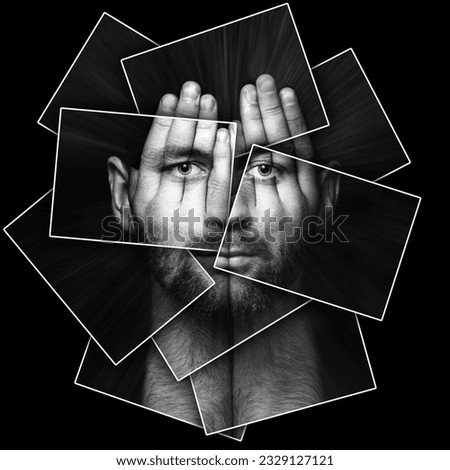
42, 343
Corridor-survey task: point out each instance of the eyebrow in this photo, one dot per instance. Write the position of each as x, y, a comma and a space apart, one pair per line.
176, 153
261, 154
172, 155
272, 157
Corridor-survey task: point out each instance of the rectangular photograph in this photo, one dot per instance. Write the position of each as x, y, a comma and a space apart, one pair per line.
109, 288
362, 141
95, 80
314, 356
360, 137
156, 180
228, 61
143, 380
231, 312
313, 230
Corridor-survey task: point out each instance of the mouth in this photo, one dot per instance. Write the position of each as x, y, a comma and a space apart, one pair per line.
233, 258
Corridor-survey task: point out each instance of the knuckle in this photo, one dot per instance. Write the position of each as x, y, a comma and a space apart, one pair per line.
272, 110
162, 122
217, 186
205, 125
187, 109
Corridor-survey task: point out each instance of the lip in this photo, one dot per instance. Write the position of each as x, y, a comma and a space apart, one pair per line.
232, 252
233, 259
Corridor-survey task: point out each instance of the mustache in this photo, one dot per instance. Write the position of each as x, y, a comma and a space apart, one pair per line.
235, 240
238, 240
207, 241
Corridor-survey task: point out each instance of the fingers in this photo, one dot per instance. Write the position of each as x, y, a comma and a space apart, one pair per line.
152, 158
306, 173
182, 132
296, 123
188, 105
272, 112
232, 129
203, 146
263, 113
252, 123
220, 176
240, 139
245, 199
205, 134
153, 152
208, 108
292, 111
167, 105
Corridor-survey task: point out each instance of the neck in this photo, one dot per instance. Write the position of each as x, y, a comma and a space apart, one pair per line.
278, 370
162, 393
274, 372
250, 382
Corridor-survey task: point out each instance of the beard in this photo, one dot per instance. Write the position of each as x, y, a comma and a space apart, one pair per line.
183, 279
178, 274
231, 297
275, 263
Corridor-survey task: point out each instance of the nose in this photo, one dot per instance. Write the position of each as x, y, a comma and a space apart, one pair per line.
244, 199
214, 225
241, 210
240, 207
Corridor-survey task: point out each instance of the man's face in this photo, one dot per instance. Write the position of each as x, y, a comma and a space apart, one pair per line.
179, 200
183, 184
230, 296
264, 237
263, 240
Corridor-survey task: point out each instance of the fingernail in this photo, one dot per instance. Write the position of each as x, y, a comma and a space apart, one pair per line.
251, 96
222, 135
289, 97
207, 103
190, 91
266, 84
168, 102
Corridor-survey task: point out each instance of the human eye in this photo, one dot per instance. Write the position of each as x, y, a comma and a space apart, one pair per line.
263, 171
185, 171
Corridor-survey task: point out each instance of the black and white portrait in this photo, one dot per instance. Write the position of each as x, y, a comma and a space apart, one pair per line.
222, 216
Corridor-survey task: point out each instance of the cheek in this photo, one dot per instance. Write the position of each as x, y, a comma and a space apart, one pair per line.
164, 204
194, 198
266, 198
158, 207
185, 196
292, 200
282, 201
168, 197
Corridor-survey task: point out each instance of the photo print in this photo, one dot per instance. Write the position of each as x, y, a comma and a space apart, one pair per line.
109, 288
232, 311
156, 180
243, 138
360, 137
312, 357
361, 141
143, 380
316, 231
95, 80
239, 63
